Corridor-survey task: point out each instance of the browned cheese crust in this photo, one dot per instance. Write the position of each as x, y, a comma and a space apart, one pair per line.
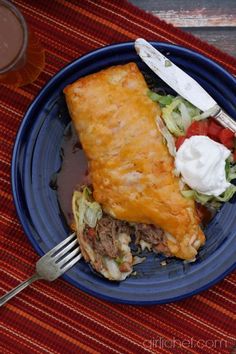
129, 164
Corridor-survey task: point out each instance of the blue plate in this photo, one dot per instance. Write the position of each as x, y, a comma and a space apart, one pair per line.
36, 158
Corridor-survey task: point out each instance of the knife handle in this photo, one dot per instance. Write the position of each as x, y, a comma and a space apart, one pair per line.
224, 119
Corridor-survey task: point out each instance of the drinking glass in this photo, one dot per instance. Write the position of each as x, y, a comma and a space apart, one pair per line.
22, 57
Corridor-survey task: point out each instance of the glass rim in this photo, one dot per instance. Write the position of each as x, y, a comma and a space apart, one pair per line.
23, 23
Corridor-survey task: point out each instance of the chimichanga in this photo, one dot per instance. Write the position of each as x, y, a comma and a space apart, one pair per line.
131, 170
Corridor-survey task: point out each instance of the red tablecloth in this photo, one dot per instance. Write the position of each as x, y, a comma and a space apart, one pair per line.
56, 317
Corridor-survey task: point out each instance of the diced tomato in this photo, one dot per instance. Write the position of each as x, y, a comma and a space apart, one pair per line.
226, 137
211, 128
198, 128
91, 232
179, 141
214, 130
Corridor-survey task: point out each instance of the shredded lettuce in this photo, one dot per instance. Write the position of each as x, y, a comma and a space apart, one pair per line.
177, 112
93, 213
210, 199
119, 260
210, 112
227, 168
163, 100
198, 197
167, 135
85, 209
173, 119
230, 171
228, 194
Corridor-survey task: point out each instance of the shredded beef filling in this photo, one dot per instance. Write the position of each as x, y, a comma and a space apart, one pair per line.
152, 235
104, 238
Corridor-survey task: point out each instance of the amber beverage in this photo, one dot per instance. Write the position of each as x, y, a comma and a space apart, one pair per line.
21, 55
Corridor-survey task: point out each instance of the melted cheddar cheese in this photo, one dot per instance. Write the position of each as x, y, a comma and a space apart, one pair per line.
129, 164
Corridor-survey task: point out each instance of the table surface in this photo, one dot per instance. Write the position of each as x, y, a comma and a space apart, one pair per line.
57, 318
213, 21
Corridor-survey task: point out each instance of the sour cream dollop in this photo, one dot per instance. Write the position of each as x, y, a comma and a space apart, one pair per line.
201, 162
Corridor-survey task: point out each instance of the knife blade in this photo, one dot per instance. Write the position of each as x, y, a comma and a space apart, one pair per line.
181, 82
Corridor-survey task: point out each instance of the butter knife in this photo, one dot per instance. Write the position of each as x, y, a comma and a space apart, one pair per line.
181, 82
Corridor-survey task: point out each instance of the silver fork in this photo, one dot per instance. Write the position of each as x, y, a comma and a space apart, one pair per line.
51, 266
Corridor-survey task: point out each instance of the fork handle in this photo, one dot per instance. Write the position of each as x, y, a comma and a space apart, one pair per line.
18, 288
